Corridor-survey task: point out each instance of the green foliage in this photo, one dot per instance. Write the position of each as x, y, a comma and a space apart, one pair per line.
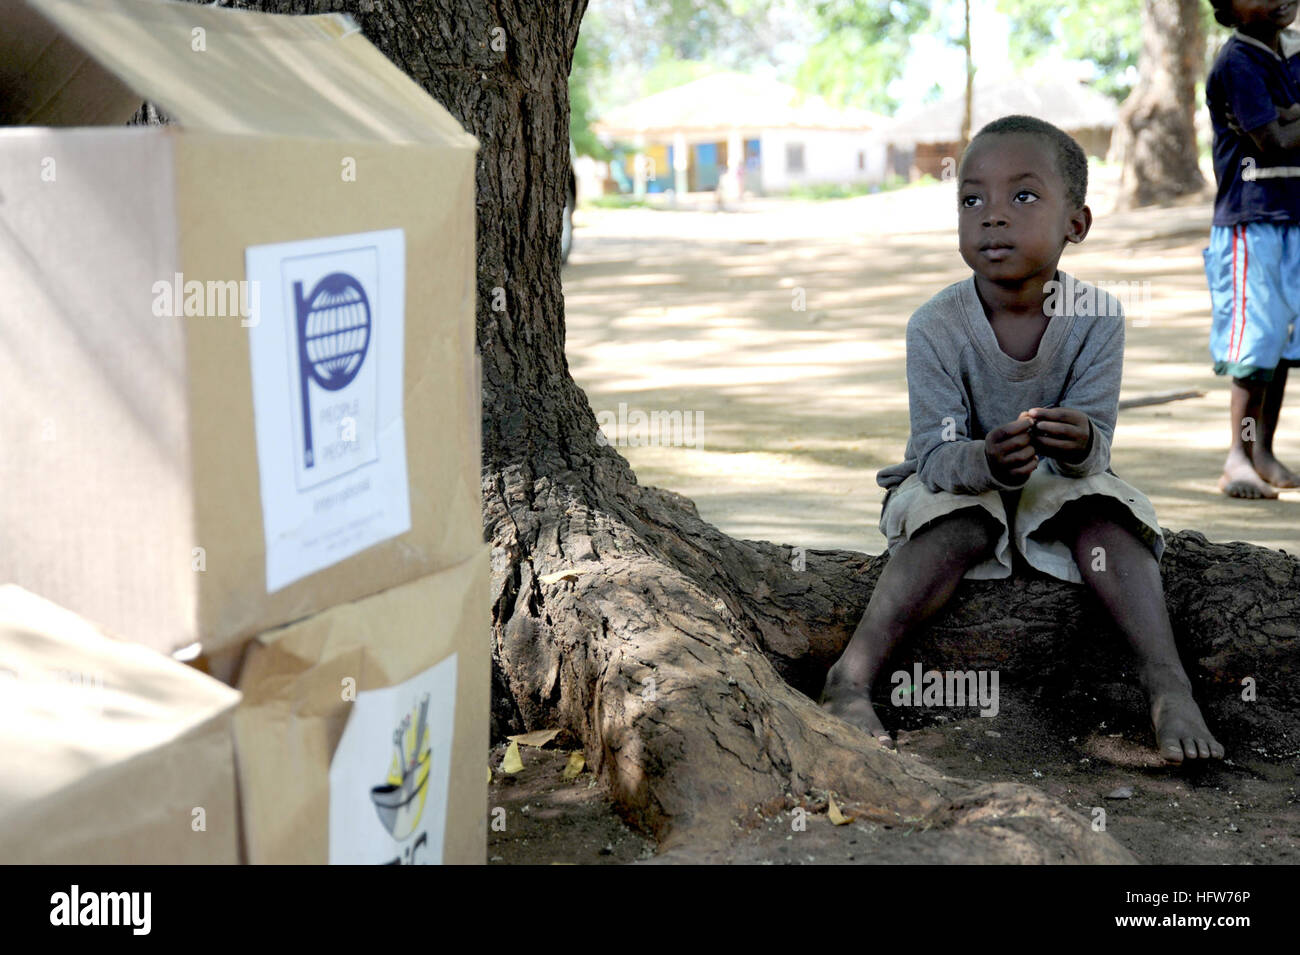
861, 48
632, 48
857, 47
1107, 33
586, 72
699, 29
670, 71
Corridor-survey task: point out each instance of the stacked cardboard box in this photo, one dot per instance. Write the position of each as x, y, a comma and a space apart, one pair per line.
242, 394
363, 731
109, 752
239, 366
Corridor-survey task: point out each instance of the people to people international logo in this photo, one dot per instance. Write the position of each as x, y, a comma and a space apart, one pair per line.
326, 351
334, 334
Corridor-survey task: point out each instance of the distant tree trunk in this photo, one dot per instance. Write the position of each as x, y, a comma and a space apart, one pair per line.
1155, 137
683, 659
968, 104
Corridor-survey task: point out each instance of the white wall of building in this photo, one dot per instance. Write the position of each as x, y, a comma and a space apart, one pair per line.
831, 156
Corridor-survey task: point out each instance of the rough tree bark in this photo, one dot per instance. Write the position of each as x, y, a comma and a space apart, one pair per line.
1155, 137
682, 658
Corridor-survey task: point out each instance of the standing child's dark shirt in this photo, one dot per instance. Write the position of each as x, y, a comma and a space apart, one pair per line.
1245, 88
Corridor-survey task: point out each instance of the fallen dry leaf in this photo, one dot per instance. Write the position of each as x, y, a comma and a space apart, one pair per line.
535, 738
558, 575
575, 765
836, 817
513, 762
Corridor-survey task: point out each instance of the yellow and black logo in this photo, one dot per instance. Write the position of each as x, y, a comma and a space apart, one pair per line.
400, 801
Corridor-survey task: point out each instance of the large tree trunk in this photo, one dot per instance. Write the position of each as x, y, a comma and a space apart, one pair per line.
1155, 137
683, 658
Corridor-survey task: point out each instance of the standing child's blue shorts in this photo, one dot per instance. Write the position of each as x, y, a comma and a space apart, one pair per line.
1253, 270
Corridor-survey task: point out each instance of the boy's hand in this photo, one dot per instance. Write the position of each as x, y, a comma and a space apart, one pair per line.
1010, 452
1061, 433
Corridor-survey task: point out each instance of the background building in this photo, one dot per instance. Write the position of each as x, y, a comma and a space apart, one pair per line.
759, 131
918, 143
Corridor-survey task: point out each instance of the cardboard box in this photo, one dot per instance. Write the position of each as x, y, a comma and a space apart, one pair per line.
363, 732
239, 369
109, 752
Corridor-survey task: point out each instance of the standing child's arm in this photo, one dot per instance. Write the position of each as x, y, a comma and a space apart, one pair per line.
1252, 113
1279, 135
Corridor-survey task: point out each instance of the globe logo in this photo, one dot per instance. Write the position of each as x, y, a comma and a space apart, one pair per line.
333, 338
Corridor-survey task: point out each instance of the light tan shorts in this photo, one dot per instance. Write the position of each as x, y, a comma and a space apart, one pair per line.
911, 505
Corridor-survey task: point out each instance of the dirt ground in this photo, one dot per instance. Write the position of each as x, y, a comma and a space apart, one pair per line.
1243, 812
696, 311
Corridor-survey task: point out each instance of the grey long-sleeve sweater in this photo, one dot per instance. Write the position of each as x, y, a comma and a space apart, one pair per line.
961, 384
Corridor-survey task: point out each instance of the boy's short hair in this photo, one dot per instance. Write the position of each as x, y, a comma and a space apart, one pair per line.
1071, 161
1223, 13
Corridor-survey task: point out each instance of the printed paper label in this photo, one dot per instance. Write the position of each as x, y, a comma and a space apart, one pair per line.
326, 348
390, 774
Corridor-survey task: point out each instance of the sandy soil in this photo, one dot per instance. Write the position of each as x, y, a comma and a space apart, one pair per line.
691, 311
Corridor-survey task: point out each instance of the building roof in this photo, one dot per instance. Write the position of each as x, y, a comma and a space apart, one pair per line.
730, 100
1059, 100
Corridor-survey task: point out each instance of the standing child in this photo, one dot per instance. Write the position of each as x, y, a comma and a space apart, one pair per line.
1013, 392
1253, 262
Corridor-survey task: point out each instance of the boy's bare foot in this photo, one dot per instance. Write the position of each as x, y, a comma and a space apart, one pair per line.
1240, 479
1181, 733
853, 706
1272, 470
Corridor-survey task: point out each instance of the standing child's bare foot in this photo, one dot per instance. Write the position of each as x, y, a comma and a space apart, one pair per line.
853, 705
1241, 480
1181, 733
1272, 470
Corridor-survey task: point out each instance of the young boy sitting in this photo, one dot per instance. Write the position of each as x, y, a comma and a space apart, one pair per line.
1013, 394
